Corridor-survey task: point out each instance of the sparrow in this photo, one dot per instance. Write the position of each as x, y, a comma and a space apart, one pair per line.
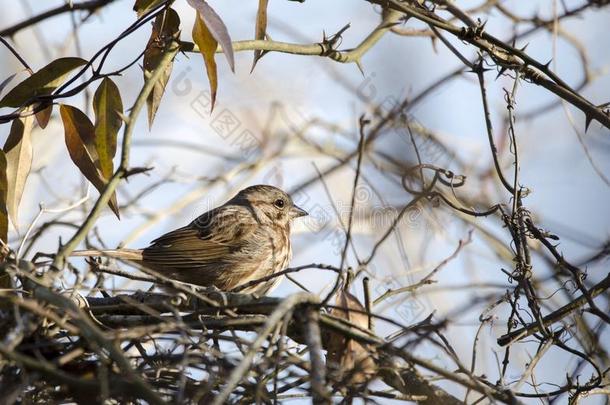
245, 239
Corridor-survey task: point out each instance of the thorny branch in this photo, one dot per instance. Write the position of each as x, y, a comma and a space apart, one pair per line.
209, 346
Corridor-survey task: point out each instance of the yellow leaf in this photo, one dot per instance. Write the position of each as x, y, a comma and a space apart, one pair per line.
79, 137
207, 46
18, 152
216, 28
260, 29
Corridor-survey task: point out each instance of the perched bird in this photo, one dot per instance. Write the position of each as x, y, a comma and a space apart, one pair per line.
245, 239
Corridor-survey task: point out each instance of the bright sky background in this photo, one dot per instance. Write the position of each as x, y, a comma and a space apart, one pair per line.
565, 188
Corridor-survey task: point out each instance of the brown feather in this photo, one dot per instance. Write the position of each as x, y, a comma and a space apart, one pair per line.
124, 254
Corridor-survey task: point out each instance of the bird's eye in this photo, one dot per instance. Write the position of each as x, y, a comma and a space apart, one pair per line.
279, 203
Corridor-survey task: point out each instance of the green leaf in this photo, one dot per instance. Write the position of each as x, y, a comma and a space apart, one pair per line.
260, 29
108, 108
80, 141
207, 46
142, 6
42, 82
3, 195
165, 28
216, 27
18, 153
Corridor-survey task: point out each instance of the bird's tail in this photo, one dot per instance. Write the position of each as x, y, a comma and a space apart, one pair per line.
124, 254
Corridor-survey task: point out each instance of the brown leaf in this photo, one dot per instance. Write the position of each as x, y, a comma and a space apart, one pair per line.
142, 6
43, 116
216, 27
348, 360
207, 46
261, 29
80, 141
3, 195
42, 82
165, 28
18, 153
108, 108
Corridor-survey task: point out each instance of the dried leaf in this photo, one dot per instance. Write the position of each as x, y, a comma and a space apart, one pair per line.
165, 28
79, 132
43, 116
18, 153
107, 106
42, 82
216, 27
348, 359
3, 196
350, 309
80, 141
142, 6
261, 28
207, 46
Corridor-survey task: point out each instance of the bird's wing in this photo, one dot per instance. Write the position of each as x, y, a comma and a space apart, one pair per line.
207, 241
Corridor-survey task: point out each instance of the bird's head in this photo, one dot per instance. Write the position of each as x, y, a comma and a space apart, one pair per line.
270, 204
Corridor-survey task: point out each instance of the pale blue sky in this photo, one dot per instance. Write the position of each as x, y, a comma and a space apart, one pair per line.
565, 188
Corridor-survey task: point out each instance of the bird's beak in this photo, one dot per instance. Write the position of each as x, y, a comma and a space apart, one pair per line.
297, 212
